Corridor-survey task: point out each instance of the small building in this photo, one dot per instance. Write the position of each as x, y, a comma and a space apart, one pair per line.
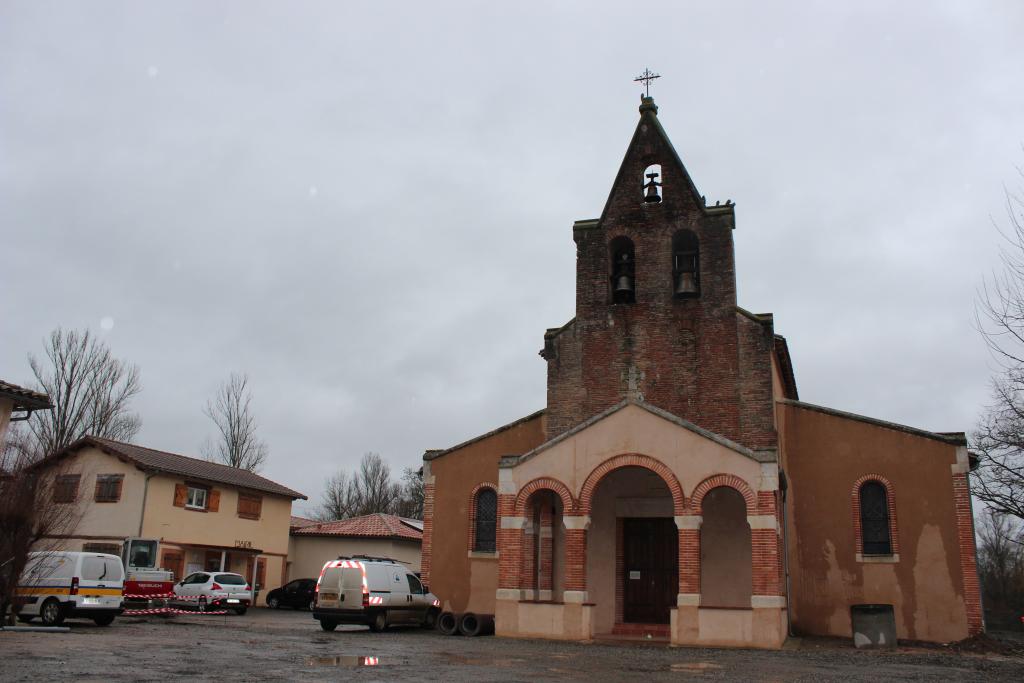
377, 535
206, 516
15, 399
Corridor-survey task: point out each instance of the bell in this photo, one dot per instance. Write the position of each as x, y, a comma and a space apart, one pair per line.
652, 196
686, 284
623, 284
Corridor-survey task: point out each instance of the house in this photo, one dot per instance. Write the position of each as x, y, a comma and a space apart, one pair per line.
15, 399
376, 535
206, 516
675, 485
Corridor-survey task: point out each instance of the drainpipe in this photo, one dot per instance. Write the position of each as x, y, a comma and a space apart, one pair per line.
784, 486
145, 492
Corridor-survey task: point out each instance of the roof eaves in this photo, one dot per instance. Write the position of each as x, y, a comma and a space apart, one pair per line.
953, 438
432, 454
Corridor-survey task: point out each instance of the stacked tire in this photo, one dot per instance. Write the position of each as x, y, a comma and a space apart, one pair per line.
468, 624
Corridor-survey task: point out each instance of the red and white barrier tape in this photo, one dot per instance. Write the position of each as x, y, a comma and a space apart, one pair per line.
132, 596
165, 610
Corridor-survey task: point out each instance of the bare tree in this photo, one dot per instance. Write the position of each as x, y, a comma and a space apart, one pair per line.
1001, 565
32, 517
338, 500
410, 501
231, 410
91, 392
367, 490
1000, 316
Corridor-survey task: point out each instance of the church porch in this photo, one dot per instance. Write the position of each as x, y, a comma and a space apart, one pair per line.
641, 545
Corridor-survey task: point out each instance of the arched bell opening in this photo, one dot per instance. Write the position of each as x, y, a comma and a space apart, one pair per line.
685, 265
652, 185
623, 270
726, 569
632, 549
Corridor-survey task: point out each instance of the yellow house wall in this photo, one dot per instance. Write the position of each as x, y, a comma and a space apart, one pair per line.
184, 527
307, 554
108, 520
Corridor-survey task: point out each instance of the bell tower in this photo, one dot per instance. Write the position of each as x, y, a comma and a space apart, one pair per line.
656, 314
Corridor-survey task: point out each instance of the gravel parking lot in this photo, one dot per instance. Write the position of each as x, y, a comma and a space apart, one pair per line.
287, 645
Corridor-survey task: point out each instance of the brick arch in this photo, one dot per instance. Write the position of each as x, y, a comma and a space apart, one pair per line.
472, 511
890, 499
632, 460
728, 480
540, 484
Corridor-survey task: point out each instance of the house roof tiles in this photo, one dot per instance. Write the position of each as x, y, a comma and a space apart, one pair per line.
172, 463
376, 525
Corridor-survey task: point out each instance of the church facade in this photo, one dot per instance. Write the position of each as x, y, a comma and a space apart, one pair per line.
675, 486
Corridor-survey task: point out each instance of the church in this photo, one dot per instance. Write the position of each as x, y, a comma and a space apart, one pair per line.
675, 487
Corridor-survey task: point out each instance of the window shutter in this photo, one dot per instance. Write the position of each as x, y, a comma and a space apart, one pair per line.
180, 495
249, 506
213, 500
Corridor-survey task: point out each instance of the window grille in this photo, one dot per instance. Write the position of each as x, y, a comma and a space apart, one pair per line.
485, 536
874, 519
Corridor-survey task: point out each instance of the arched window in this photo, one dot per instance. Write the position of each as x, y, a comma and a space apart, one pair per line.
623, 275
685, 265
874, 519
485, 521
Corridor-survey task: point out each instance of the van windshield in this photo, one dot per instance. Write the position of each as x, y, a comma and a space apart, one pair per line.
230, 579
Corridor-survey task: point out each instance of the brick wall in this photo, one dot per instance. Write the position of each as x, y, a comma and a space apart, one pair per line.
686, 354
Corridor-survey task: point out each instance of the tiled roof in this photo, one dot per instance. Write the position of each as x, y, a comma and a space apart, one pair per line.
172, 463
376, 525
24, 399
299, 522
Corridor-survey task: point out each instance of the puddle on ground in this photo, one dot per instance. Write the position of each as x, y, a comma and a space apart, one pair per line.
343, 660
500, 662
694, 667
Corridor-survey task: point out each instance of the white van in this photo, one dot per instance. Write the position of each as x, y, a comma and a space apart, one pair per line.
56, 585
378, 592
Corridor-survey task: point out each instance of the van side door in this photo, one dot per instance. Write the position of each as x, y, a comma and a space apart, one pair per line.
399, 602
417, 598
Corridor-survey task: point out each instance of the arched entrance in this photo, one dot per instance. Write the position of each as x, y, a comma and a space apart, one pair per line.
632, 549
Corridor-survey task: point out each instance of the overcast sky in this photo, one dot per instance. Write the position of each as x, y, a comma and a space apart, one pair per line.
368, 207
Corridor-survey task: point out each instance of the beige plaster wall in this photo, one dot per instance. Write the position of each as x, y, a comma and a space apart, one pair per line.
692, 457
629, 492
824, 455
101, 521
307, 554
6, 407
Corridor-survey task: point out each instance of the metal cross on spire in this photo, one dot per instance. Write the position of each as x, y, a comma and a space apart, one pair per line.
647, 76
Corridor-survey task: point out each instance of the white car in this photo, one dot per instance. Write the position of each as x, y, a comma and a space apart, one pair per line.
214, 590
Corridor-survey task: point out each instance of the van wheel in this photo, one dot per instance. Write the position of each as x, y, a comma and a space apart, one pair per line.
328, 625
430, 619
51, 613
379, 622
105, 620
240, 610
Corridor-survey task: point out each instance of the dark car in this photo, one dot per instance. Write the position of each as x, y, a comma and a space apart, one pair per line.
297, 593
